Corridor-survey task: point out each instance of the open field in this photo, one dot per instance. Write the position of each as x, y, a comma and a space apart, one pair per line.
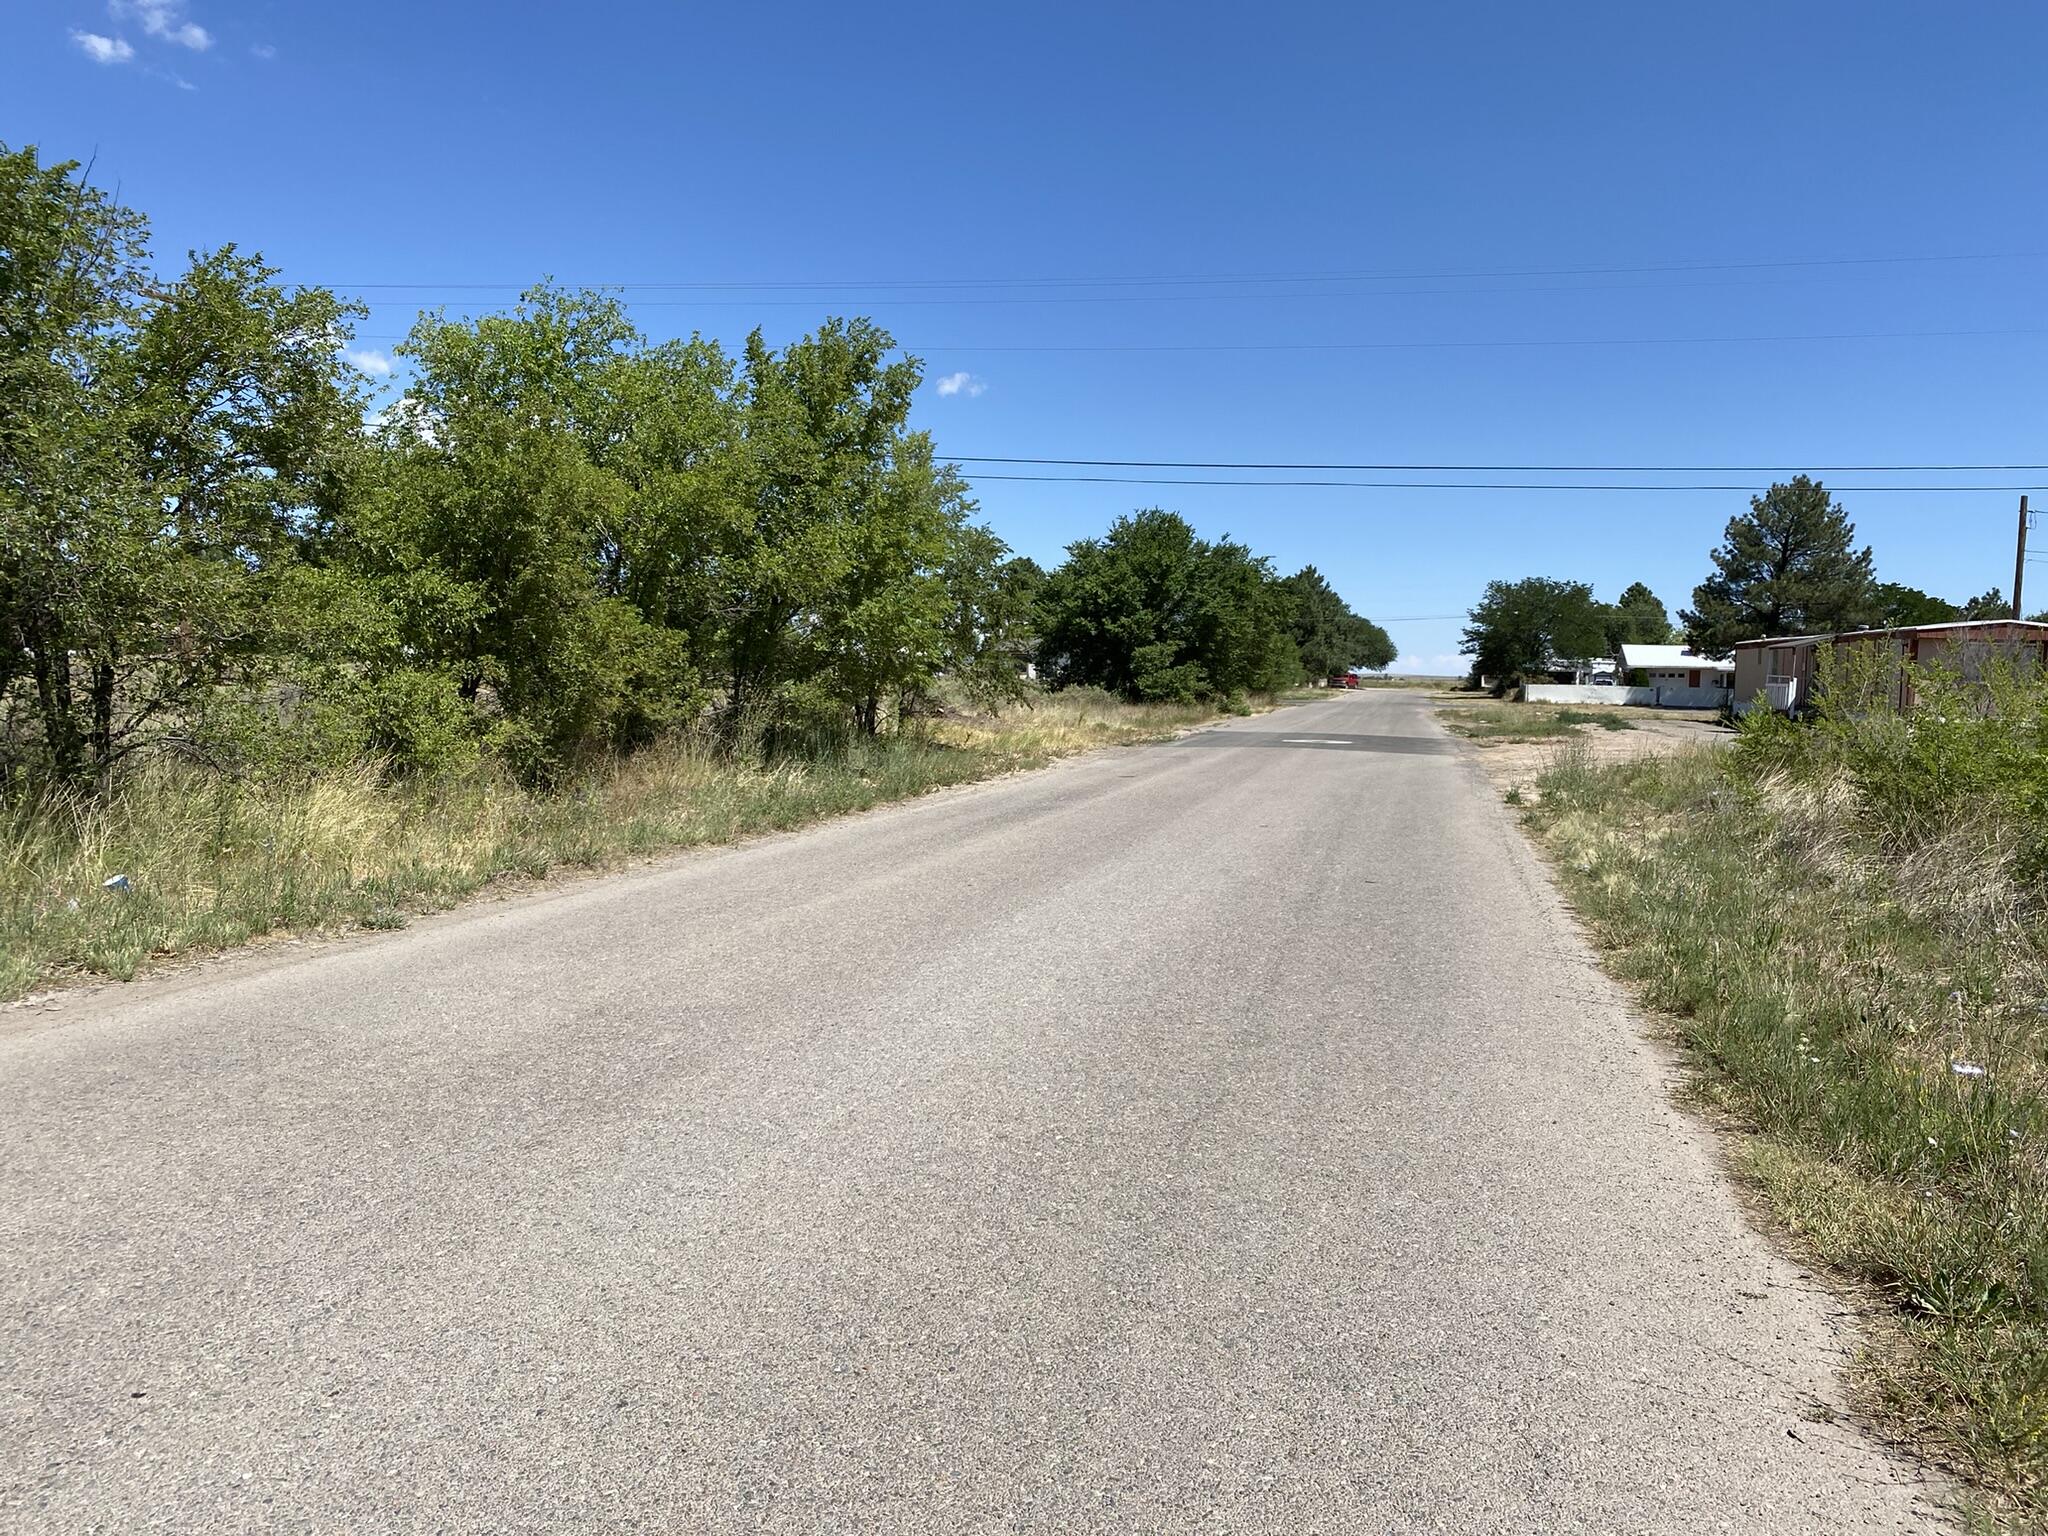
1407, 680
210, 862
1519, 742
1530, 722
1864, 1008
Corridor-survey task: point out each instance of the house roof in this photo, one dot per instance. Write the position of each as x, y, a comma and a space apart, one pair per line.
1669, 658
2027, 626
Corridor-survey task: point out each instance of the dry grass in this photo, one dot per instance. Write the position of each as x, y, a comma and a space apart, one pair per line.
1872, 1015
210, 863
1506, 722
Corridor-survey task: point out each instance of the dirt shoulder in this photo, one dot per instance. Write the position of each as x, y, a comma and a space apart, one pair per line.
1516, 742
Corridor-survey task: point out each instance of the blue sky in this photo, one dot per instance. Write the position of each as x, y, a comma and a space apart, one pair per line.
1446, 153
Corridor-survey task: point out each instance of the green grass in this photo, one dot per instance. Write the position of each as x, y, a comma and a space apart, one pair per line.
1505, 722
1605, 719
211, 862
1827, 983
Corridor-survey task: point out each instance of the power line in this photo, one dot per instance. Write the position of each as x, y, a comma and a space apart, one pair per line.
1404, 346
1152, 298
1461, 485
1560, 469
1409, 346
1196, 279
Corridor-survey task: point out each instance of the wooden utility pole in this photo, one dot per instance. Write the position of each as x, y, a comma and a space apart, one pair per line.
2019, 561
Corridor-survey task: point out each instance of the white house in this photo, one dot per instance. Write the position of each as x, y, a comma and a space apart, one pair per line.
1674, 666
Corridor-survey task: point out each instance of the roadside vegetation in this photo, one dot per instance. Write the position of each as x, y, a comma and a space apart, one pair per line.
1517, 628
281, 645
1847, 922
202, 862
1788, 566
1500, 723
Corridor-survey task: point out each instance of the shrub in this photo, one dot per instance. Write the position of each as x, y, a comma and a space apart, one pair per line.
1968, 747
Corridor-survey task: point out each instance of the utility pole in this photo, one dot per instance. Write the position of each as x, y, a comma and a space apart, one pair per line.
2019, 560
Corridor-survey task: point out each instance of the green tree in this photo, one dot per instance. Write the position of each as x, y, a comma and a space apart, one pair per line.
1900, 606
161, 448
671, 431
70, 285
505, 483
1638, 617
991, 626
1372, 645
820, 423
1788, 567
1328, 636
884, 633
1237, 625
1151, 611
1518, 627
1987, 605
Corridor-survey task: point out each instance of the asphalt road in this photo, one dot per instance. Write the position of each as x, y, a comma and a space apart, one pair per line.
1226, 1135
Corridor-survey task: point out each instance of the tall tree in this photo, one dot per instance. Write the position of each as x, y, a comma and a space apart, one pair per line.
1787, 567
1152, 611
1987, 605
1899, 606
505, 479
161, 446
1327, 635
991, 627
821, 421
1518, 627
1372, 647
883, 634
1639, 617
70, 283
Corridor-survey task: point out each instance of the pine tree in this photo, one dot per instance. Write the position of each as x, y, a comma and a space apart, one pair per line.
1789, 567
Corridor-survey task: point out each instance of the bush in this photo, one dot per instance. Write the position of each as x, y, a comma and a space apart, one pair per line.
1969, 747
801, 719
309, 720
1156, 679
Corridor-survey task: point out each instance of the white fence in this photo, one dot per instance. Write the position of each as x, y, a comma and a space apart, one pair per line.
1779, 693
1586, 693
1672, 696
1666, 697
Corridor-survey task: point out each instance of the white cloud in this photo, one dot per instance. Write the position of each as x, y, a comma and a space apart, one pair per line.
164, 19
104, 50
264, 51
369, 360
961, 384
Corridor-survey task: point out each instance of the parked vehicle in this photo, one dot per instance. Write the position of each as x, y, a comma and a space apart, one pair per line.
1343, 679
